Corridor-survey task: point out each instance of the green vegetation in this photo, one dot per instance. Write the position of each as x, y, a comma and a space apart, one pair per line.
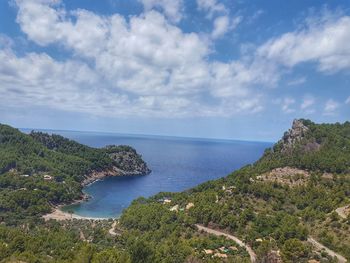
40, 170
325, 147
274, 217
268, 215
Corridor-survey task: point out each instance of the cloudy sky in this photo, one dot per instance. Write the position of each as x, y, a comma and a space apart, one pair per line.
200, 68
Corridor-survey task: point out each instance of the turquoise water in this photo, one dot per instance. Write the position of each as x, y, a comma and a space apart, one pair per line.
177, 164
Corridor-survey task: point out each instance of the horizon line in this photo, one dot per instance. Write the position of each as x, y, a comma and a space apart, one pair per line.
147, 135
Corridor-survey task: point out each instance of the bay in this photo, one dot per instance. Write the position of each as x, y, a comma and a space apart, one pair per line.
177, 164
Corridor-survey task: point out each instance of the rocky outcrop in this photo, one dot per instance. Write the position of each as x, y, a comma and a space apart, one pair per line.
98, 175
295, 134
126, 162
112, 171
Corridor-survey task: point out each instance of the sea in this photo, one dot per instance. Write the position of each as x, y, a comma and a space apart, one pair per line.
177, 164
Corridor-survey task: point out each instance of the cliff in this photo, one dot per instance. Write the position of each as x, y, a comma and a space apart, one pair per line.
294, 135
111, 160
126, 162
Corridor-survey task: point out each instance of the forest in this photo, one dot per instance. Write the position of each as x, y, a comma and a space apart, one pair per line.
39, 170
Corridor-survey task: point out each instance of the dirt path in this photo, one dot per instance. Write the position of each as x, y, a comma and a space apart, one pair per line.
319, 246
112, 230
250, 251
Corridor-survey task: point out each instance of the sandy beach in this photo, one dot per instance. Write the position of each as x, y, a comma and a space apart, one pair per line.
59, 215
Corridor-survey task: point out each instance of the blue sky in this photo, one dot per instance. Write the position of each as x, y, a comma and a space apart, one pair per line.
198, 68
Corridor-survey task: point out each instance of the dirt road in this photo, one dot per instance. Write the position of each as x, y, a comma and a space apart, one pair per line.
250, 251
319, 246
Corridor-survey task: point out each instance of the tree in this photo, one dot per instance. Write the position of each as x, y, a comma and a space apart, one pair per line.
294, 250
141, 252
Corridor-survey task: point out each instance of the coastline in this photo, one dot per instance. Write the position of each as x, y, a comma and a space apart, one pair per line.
60, 215
96, 176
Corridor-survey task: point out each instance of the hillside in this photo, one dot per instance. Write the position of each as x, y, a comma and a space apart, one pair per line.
292, 205
39, 169
317, 147
280, 202
111, 160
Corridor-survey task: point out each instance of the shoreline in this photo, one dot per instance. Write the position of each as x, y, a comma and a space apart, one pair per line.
60, 215
96, 176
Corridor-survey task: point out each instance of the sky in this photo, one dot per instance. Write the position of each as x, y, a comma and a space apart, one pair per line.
228, 69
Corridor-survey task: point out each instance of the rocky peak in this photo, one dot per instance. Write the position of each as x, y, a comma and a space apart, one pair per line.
295, 134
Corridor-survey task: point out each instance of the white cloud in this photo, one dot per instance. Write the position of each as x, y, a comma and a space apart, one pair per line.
306, 105
224, 24
145, 66
221, 26
323, 41
171, 8
132, 56
255, 16
38, 79
286, 105
232, 79
297, 81
5, 42
347, 100
307, 102
211, 7
330, 107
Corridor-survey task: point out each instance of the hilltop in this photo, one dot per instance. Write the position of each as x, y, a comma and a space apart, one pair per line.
316, 147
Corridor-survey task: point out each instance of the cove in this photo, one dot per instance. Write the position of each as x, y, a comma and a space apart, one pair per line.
177, 164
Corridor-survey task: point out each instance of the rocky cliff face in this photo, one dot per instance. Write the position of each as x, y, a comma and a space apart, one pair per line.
126, 162
295, 135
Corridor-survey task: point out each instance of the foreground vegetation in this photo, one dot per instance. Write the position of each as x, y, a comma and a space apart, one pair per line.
273, 205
